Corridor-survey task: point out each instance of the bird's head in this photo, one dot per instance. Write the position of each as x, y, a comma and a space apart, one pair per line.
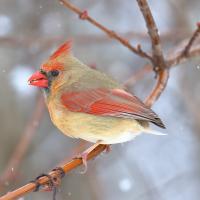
51, 72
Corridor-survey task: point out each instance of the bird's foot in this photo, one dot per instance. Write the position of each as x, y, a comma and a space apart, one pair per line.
52, 184
108, 148
84, 156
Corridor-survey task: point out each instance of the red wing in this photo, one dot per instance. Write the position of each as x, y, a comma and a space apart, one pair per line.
103, 102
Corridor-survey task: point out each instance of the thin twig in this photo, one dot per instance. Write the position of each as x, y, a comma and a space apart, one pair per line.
191, 41
174, 57
85, 16
13, 164
158, 59
187, 50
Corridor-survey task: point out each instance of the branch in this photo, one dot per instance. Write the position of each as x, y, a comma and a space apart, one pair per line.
158, 58
13, 164
173, 57
84, 16
189, 49
55, 174
186, 51
159, 63
159, 88
191, 41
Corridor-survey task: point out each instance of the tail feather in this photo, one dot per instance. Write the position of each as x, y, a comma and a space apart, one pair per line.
154, 132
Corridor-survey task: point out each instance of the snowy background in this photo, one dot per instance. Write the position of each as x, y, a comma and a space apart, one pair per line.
148, 168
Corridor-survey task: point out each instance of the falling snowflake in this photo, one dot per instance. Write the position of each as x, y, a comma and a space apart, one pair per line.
19, 80
5, 25
125, 185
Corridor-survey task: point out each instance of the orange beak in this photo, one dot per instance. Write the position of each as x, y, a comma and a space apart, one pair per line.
38, 79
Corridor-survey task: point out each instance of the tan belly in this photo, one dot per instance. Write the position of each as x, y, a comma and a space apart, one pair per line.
92, 128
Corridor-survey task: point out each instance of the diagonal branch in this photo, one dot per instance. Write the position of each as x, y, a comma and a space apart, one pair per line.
191, 41
67, 167
158, 58
174, 57
84, 16
187, 50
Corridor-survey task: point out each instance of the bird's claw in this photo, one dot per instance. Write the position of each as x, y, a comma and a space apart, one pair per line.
48, 187
108, 148
83, 156
52, 183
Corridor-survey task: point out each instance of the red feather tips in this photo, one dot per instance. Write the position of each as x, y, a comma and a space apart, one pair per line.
105, 102
38, 79
63, 49
52, 66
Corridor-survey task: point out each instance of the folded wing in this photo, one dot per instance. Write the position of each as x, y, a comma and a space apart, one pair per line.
105, 102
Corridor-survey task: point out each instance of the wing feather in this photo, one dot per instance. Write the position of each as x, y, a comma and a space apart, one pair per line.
104, 102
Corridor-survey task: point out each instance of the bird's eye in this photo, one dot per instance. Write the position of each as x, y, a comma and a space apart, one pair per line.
54, 73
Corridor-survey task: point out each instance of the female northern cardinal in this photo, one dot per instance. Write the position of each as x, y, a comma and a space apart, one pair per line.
85, 103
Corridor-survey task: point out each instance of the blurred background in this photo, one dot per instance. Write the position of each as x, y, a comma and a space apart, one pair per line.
148, 168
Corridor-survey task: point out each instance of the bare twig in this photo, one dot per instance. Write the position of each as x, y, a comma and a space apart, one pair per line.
174, 57
84, 16
191, 41
158, 59
20, 150
188, 49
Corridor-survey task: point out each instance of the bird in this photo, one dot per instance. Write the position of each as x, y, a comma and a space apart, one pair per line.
87, 104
